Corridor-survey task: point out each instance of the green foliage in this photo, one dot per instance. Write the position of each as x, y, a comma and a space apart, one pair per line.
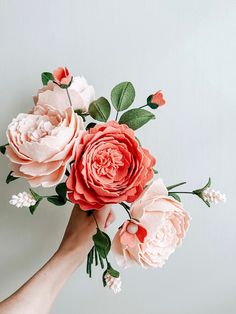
10, 178
102, 243
122, 96
100, 109
175, 196
38, 199
175, 185
199, 192
46, 77
59, 199
90, 126
136, 118
3, 149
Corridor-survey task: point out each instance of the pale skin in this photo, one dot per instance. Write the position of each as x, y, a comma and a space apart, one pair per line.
37, 295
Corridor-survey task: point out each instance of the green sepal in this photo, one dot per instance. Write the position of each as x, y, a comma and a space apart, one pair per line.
11, 178
61, 190
200, 191
136, 118
46, 77
56, 200
122, 96
114, 273
90, 126
102, 243
175, 185
3, 149
100, 109
33, 208
103, 279
175, 196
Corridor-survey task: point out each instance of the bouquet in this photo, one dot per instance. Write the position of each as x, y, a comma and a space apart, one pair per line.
98, 164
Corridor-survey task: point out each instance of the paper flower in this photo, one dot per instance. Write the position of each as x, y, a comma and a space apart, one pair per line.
110, 167
23, 199
62, 76
166, 223
42, 144
113, 283
81, 95
213, 196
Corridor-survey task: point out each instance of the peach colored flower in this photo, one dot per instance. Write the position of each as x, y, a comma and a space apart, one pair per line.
62, 76
166, 223
110, 167
158, 99
81, 95
41, 144
131, 233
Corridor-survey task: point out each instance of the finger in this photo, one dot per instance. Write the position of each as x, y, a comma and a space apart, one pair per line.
110, 219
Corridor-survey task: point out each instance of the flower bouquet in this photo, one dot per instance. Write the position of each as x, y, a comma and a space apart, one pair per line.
98, 164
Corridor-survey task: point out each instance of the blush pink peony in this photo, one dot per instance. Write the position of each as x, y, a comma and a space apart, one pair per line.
41, 144
80, 92
110, 167
166, 222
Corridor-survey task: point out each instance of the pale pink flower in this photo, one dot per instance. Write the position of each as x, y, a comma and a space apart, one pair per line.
166, 222
81, 95
42, 144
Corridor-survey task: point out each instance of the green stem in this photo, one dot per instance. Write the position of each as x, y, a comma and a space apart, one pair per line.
117, 113
127, 208
182, 192
143, 106
95, 220
69, 96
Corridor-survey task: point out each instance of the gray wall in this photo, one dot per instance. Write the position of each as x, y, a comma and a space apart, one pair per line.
187, 48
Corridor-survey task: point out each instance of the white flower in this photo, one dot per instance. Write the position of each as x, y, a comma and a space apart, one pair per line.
113, 283
23, 199
213, 196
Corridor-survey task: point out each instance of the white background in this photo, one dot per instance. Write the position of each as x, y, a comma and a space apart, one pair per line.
187, 48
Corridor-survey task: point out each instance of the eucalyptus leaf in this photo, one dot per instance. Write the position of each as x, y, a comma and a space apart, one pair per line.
122, 96
46, 77
136, 118
100, 109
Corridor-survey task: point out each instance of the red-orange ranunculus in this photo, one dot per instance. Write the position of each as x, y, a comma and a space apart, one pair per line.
110, 167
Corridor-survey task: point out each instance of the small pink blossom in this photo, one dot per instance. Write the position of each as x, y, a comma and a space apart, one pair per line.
158, 99
62, 76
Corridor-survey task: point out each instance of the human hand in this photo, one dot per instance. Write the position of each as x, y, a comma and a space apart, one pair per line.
77, 240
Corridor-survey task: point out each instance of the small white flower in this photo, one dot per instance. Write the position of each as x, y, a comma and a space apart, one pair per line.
113, 283
213, 196
23, 199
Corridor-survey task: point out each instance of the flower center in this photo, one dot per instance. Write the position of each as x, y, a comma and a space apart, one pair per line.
132, 228
107, 161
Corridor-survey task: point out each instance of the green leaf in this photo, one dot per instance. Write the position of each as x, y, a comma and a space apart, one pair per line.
175, 196
175, 185
136, 118
122, 96
56, 200
3, 149
155, 171
90, 126
33, 208
61, 190
102, 243
200, 191
114, 273
36, 196
11, 178
46, 77
100, 109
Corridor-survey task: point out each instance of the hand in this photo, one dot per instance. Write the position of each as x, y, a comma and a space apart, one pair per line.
77, 240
